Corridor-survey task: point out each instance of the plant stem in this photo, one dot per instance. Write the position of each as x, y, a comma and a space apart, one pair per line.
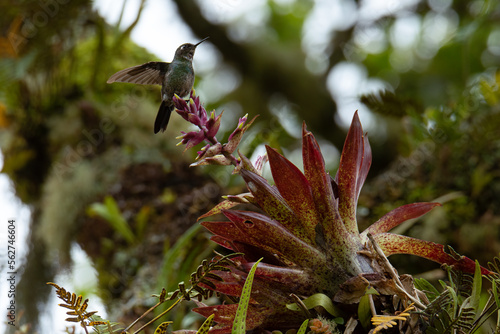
158, 316
394, 275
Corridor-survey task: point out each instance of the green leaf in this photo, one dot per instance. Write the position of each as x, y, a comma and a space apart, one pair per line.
494, 289
454, 300
176, 254
315, 300
303, 327
473, 300
206, 325
364, 312
430, 291
371, 291
239, 324
111, 213
142, 219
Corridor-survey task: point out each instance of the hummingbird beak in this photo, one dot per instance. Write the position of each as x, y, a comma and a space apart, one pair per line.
203, 40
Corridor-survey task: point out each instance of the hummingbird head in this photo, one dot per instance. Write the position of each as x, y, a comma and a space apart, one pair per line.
186, 51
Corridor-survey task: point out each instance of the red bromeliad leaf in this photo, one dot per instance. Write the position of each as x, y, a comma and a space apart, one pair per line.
257, 315
365, 165
398, 216
222, 242
399, 244
228, 236
226, 230
350, 174
276, 273
232, 284
271, 201
294, 188
320, 182
263, 293
224, 315
294, 280
260, 231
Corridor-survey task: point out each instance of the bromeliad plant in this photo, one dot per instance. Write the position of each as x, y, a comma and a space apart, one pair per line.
306, 231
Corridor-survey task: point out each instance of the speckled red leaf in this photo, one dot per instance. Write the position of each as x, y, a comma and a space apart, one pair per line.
320, 182
399, 244
254, 253
295, 189
217, 329
259, 230
365, 165
296, 280
350, 174
224, 314
222, 242
271, 201
226, 230
398, 216
228, 235
230, 286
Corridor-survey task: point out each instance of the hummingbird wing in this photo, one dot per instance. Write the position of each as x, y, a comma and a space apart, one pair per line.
151, 73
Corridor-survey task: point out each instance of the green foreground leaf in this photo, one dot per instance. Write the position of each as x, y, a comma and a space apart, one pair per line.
239, 324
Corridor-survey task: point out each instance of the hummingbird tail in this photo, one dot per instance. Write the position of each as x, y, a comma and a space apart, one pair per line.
163, 117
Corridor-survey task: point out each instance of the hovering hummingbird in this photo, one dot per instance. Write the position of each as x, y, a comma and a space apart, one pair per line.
176, 77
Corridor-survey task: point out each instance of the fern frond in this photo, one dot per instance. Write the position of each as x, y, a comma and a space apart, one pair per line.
77, 307
162, 328
204, 275
495, 266
457, 308
387, 321
102, 326
205, 327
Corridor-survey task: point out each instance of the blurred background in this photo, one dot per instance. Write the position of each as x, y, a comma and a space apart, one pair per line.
107, 209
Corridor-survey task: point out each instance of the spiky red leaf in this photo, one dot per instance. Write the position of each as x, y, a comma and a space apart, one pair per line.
398, 216
292, 279
226, 230
261, 231
229, 286
222, 242
320, 182
271, 201
399, 244
353, 168
365, 165
295, 189
224, 315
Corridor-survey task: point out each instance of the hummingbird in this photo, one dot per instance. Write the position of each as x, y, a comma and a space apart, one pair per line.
176, 77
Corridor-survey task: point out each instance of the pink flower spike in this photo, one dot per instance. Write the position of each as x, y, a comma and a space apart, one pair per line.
191, 139
213, 124
241, 122
192, 107
194, 119
179, 103
202, 151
